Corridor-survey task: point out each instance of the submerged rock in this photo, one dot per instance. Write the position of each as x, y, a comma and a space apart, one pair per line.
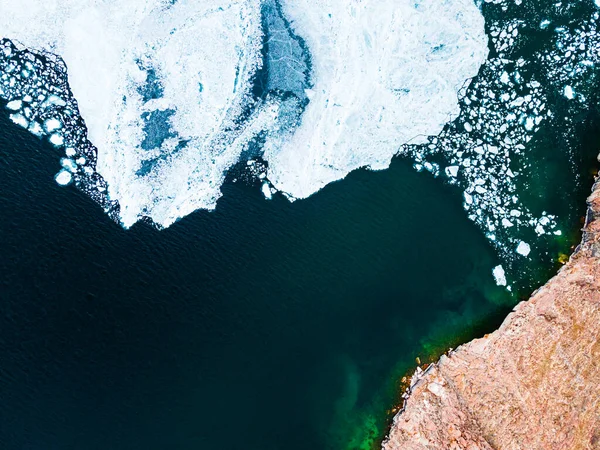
532, 384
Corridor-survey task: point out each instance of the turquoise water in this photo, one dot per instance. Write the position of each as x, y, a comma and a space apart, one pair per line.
263, 324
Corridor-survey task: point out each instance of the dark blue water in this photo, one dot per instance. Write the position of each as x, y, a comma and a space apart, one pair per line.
260, 325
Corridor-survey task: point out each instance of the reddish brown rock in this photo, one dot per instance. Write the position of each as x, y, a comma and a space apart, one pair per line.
532, 384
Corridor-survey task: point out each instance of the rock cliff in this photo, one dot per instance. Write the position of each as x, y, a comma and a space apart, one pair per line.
532, 384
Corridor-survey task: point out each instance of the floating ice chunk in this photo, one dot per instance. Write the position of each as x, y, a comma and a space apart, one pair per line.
51, 125
523, 248
63, 177
176, 77
19, 119
529, 123
68, 164
366, 103
70, 151
569, 93
452, 171
499, 275
15, 105
266, 190
36, 129
544, 23
558, 233
57, 139
506, 223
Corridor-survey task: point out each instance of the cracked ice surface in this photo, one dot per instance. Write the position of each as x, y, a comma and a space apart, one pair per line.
385, 73
128, 62
166, 89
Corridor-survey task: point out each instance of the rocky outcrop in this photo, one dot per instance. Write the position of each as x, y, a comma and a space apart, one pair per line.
532, 384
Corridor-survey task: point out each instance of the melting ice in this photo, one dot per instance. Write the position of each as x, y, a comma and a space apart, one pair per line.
174, 93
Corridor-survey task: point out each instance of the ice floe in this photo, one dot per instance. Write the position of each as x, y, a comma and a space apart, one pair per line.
523, 248
63, 177
499, 275
168, 90
385, 73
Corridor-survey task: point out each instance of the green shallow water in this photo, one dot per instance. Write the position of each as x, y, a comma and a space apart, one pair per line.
263, 324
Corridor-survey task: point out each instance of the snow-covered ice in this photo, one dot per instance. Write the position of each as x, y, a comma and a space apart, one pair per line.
385, 73
165, 88
523, 248
569, 93
499, 275
63, 177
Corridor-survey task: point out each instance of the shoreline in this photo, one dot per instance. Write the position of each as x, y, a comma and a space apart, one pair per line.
507, 389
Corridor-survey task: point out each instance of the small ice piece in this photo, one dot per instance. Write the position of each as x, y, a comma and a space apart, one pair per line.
36, 129
15, 105
19, 120
63, 177
499, 275
68, 164
569, 93
544, 23
452, 171
597, 2
52, 125
468, 127
80, 161
504, 77
56, 139
529, 124
558, 233
506, 223
55, 100
523, 248
468, 198
70, 151
266, 190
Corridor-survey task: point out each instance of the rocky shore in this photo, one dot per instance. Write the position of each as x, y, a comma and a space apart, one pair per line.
532, 384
